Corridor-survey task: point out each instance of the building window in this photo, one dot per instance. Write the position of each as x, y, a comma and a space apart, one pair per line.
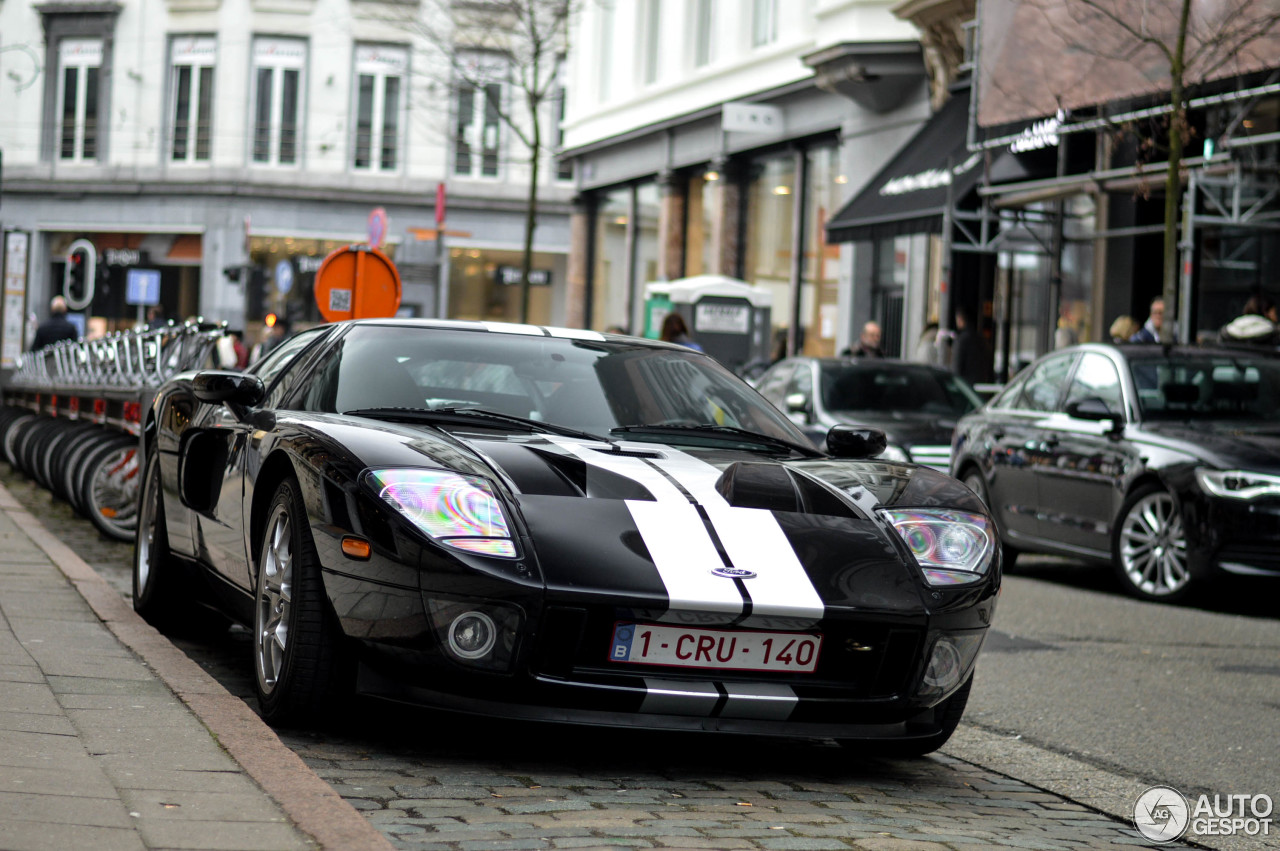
703, 27
477, 134
764, 22
564, 166
191, 74
650, 27
380, 73
80, 64
278, 67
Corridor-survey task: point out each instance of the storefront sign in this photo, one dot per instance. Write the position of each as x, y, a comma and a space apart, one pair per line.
510, 276
16, 245
1042, 134
751, 118
122, 256
722, 318
928, 179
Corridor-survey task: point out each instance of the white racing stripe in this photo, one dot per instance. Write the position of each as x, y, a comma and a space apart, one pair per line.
678, 697
765, 701
754, 541
683, 552
685, 555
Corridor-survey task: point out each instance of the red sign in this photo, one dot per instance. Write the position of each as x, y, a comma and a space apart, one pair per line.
357, 282
440, 205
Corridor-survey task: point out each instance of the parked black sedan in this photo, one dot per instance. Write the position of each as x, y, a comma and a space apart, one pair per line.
914, 404
1161, 460
560, 525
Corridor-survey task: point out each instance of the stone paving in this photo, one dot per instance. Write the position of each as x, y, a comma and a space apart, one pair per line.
429, 781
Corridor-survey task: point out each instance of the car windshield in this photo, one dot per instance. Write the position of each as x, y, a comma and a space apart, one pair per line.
1207, 387
889, 386
591, 386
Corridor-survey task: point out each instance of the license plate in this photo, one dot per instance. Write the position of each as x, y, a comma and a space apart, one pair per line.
726, 650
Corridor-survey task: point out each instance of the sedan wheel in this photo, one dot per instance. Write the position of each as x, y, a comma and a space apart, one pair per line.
296, 644
1150, 546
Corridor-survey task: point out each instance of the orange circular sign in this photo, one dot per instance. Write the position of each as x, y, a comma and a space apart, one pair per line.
357, 282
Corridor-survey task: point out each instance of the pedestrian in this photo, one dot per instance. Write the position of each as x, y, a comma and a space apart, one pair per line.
927, 346
1150, 331
57, 327
675, 330
1123, 328
868, 343
156, 318
970, 357
1259, 324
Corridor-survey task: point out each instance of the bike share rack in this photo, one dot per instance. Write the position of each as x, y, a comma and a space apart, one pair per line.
72, 414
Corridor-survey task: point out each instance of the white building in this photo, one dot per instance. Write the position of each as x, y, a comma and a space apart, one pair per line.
216, 140
720, 136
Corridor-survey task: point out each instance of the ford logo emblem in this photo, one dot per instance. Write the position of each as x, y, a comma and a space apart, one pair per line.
734, 572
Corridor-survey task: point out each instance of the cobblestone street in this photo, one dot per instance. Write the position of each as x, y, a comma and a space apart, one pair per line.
430, 781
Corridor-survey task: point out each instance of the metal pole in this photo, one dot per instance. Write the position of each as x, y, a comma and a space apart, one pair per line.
1188, 255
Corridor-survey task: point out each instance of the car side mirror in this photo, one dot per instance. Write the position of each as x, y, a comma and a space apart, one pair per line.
1091, 408
846, 441
237, 390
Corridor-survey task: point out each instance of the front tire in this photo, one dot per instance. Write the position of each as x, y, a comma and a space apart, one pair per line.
296, 644
1149, 546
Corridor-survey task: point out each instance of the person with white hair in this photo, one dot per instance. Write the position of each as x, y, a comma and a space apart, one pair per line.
57, 327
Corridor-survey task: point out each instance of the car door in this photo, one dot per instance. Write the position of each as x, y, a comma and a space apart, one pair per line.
1013, 439
1085, 461
221, 442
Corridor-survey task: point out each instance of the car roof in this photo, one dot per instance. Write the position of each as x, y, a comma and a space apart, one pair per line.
514, 328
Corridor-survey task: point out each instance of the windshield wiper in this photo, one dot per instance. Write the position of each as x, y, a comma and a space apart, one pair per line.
714, 429
468, 416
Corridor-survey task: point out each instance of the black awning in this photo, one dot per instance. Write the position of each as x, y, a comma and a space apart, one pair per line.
909, 195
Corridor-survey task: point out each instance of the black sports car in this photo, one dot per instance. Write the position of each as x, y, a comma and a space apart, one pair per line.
916, 405
1161, 460
559, 525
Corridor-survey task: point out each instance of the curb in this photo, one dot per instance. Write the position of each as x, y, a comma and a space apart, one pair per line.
308, 801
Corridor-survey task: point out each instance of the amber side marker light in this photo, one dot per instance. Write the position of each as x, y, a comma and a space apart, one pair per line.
356, 547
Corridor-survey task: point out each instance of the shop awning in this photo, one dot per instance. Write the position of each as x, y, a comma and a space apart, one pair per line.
909, 195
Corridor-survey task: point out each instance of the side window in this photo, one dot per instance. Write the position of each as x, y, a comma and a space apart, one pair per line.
1043, 387
279, 361
1096, 378
802, 383
774, 385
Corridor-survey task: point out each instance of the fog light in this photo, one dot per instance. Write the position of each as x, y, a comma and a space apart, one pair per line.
944, 665
472, 635
950, 661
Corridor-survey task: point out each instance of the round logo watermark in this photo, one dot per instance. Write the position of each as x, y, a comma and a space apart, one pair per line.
1161, 814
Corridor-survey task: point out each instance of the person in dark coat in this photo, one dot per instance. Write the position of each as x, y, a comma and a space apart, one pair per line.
868, 343
970, 356
1150, 331
56, 328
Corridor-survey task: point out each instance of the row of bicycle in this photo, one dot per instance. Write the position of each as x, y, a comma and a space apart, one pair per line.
73, 413
93, 467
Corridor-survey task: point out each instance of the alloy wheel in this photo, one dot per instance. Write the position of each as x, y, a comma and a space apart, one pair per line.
275, 599
1153, 546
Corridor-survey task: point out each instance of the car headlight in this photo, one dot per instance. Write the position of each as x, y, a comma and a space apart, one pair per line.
951, 547
455, 510
893, 452
1237, 484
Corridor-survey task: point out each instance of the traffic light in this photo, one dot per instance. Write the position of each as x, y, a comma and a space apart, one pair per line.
255, 294
80, 274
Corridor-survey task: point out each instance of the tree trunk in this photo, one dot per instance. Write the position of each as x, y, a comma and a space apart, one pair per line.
1173, 178
531, 216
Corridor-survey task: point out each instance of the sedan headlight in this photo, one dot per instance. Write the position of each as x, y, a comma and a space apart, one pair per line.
951, 547
1237, 484
893, 452
458, 511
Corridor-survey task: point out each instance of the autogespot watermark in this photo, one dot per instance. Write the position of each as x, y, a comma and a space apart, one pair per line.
1163, 814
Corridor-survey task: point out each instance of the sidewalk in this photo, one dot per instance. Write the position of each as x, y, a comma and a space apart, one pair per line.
111, 738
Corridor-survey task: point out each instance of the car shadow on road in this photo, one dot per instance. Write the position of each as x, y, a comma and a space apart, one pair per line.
1232, 595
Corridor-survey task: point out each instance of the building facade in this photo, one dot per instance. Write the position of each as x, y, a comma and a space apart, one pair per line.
230, 145
719, 137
